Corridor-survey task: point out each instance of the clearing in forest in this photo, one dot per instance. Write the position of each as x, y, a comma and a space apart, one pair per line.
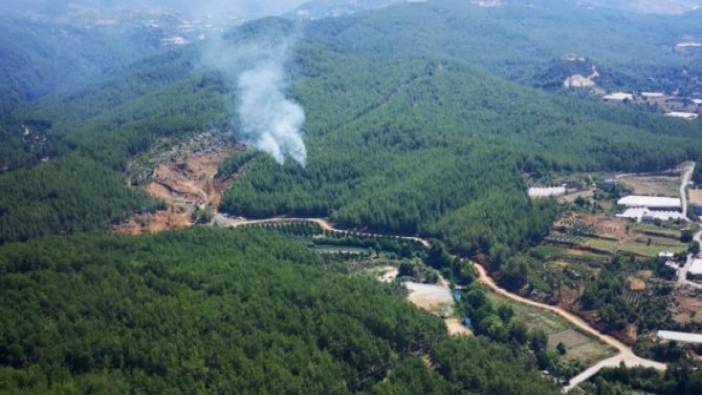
435, 298
184, 177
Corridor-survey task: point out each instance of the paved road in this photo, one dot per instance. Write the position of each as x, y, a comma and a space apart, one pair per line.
686, 178
624, 352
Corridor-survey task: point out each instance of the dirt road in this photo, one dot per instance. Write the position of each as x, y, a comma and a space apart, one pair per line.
624, 353
686, 178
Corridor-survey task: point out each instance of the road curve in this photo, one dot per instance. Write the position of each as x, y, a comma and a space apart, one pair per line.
624, 353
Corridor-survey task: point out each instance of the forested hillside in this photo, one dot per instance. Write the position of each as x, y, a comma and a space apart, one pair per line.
423, 118
439, 148
414, 141
100, 129
45, 58
518, 40
210, 310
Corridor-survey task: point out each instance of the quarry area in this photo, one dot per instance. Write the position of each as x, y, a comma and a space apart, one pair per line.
184, 178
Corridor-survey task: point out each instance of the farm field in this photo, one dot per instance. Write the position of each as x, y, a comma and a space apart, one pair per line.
657, 231
579, 346
606, 235
640, 248
653, 185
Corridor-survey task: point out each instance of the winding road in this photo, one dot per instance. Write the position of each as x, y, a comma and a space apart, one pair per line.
624, 355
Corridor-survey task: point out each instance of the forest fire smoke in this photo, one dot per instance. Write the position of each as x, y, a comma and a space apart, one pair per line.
267, 119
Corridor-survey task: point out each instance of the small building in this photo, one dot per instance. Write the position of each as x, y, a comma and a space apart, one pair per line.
695, 270
651, 202
680, 337
690, 116
545, 192
618, 97
665, 256
653, 95
578, 81
685, 45
643, 214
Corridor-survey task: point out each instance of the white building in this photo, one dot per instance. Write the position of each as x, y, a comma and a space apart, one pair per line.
643, 214
690, 116
695, 269
545, 192
650, 202
688, 44
618, 97
681, 337
653, 95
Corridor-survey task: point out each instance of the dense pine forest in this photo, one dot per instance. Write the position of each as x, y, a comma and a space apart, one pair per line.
421, 119
210, 310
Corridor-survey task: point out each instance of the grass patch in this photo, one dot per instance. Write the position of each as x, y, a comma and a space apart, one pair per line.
652, 250
637, 248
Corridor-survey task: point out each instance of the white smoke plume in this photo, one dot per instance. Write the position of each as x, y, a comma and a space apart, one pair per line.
269, 120
256, 68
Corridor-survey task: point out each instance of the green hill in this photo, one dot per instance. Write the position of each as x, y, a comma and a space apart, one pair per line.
210, 311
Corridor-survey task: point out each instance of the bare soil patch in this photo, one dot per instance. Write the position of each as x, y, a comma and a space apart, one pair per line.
687, 307
636, 284
696, 196
597, 225
456, 328
185, 179
386, 274
571, 197
653, 185
436, 299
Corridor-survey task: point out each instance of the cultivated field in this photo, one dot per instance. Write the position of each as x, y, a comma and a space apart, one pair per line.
606, 235
580, 346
